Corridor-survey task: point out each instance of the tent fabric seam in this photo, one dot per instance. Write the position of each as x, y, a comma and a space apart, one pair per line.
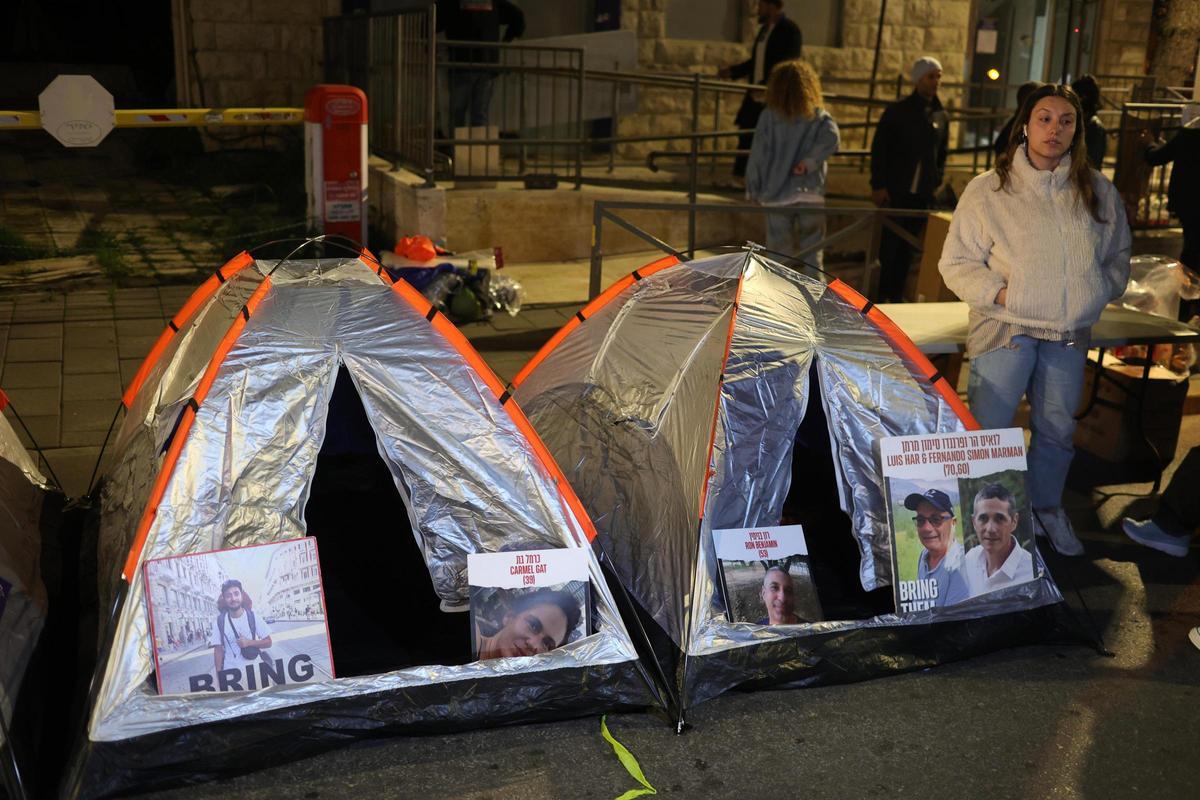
186, 311
589, 310
896, 336
712, 434
459, 342
179, 437
366, 256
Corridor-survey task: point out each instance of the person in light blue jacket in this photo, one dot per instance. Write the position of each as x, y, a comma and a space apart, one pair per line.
792, 141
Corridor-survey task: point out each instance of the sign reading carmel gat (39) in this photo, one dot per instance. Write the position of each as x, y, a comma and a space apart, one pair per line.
527, 602
238, 620
77, 110
960, 517
765, 575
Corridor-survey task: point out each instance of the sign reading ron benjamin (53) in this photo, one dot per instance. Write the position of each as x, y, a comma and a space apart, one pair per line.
77, 110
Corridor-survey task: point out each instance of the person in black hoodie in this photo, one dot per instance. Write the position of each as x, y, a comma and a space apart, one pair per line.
779, 39
908, 157
1095, 137
475, 21
1183, 193
1000, 143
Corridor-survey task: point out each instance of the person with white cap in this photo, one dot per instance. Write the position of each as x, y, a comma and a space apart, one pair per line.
908, 157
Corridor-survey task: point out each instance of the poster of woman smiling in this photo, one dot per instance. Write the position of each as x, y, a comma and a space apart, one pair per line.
526, 603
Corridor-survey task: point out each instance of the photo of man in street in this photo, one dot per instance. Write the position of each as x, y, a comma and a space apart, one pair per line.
240, 619
238, 637
942, 557
998, 561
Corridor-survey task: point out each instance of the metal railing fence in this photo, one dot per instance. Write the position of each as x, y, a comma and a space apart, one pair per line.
1143, 187
871, 221
538, 104
392, 57
510, 110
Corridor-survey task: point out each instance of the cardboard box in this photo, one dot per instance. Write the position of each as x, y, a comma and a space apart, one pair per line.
1110, 430
929, 287
477, 159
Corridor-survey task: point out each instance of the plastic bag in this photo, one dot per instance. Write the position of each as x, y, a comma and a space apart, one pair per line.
1156, 284
505, 294
440, 288
417, 248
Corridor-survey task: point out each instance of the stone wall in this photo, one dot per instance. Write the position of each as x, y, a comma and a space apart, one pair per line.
533, 226
1173, 56
1123, 31
912, 28
248, 52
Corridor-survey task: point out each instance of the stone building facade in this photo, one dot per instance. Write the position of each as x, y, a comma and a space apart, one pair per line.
269, 52
232, 53
1175, 41
1123, 31
293, 584
912, 28
184, 592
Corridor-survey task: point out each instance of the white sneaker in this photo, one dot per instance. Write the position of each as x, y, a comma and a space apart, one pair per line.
1057, 527
1194, 637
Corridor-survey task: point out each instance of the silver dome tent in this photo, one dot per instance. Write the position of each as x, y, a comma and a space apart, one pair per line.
728, 393
30, 515
227, 441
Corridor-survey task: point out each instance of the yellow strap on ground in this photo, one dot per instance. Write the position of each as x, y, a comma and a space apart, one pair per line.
629, 762
170, 117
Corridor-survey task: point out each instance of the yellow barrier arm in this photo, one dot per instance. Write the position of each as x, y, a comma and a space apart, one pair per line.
170, 117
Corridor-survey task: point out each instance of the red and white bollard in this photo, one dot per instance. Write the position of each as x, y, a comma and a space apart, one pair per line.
335, 168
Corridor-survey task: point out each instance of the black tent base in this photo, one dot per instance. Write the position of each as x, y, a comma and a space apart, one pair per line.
53, 689
863, 653
202, 753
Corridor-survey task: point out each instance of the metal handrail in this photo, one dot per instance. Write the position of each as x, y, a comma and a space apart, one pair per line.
876, 218
976, 123
1143, 187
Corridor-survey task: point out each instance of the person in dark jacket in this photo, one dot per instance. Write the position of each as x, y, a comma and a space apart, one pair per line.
1173, 527
1183, 193
908, 158
1000, 144
1095, 137
779, 39
1174, 524
475, 21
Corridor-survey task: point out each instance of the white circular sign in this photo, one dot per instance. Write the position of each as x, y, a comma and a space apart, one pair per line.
77, 110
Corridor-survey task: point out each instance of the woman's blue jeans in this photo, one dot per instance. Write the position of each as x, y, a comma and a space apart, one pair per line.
1051, 374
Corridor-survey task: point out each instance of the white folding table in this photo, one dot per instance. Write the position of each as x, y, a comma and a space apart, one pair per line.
941, 329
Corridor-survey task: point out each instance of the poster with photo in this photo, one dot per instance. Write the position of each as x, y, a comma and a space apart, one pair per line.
959, 516
240, 619
527, 602
765, 575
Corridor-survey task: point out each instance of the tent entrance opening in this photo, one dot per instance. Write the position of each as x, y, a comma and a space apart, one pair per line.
382, 611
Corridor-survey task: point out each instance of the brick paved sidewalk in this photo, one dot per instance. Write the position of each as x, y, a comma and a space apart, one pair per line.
68, 356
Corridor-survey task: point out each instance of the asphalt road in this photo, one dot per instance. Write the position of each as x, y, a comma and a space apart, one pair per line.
1041, 722
1031, 722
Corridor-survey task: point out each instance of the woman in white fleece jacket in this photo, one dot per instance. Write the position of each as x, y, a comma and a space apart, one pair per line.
1037, 247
